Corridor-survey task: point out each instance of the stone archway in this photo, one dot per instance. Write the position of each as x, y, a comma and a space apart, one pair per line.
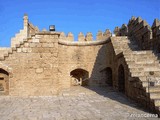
4, 82
79, 77
121, 79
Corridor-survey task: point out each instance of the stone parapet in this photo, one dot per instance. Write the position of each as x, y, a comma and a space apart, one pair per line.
84, 43
88, 37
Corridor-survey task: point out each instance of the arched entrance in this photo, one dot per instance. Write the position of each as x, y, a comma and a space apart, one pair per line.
79, 77
121, 79
4, 82
108, 72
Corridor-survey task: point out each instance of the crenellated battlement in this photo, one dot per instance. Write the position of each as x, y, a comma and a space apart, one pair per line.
30, 30
138, 29
88, 37
146, 36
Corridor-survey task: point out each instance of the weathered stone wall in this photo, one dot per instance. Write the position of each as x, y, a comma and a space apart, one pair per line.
35, 66
89, 58
40, 63
87, 54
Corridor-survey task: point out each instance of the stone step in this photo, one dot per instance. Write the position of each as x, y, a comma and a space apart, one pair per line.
142, 52
155, 95
156, 73
25, 40
117, 48
6, 54
129, 60
133, 65
144, 73
137, 69
142, 58
156, 102
14, 48
146, 61
129, 53
18, 35
151, 65
157, 68
143, 78
10, 51
136, 74
2, 57
133, 71
120, 41
146, 66
17, 45
154, 88
151, 79
145, 84
138, 59
118, 51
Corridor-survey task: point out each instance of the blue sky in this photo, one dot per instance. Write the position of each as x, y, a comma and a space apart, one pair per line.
73, 15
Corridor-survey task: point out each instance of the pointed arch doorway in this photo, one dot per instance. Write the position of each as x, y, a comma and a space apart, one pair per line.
121, 79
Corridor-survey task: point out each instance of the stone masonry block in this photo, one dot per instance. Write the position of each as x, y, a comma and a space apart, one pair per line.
26, 45
39, 70
24, 50
36, 40
19, 49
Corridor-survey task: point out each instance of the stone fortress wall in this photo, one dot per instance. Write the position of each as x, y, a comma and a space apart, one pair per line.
43, 63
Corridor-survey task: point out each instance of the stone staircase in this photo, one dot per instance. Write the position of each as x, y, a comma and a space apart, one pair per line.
18, 40
9, 51
141, 64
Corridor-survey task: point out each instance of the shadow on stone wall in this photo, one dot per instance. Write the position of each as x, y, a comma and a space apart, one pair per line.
96, 77
98, 82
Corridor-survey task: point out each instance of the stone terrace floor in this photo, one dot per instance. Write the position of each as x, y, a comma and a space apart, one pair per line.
77, 103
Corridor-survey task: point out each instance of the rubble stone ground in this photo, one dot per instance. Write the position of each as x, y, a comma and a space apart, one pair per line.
77, 103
